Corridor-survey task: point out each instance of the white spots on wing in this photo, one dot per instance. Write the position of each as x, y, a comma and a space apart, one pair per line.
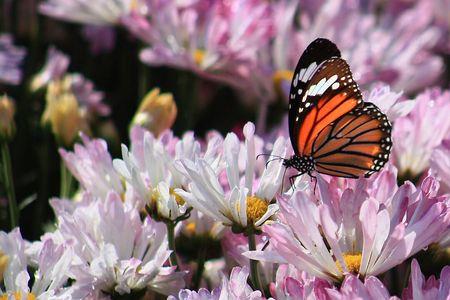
290, 106
308, 104
295, 82
335, 85
299, 91
300, 109
302, 72
292, 96
309, 72
327, 84
317, 87
296, 119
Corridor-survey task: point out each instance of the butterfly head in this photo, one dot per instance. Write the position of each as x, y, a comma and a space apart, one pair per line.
303, 164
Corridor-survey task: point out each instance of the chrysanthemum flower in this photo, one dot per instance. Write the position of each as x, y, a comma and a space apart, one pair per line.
150, 170
52, 269
115, 251
218, 40
291, 283
98, 12
359, 230
440, 164
249, 202
393, 48
235, 288
92, 166
420, 132
11, 58
432, 288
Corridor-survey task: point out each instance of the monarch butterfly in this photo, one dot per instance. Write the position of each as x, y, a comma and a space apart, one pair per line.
332, 130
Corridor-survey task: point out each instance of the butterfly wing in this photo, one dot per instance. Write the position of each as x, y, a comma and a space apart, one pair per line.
356, 144
329, 94
315, 54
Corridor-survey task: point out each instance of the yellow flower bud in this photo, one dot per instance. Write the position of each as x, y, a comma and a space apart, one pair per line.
63, 114
157, 112
7, 110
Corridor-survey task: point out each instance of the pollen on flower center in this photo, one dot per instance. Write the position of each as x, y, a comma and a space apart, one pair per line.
178, 198
198, 56
18, 296
3, 264
256, 208
352, 262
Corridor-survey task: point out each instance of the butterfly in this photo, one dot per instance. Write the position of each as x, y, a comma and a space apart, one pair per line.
332, 130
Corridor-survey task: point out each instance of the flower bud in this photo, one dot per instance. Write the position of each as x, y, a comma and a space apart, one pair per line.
157, 112
63, 114
7, 125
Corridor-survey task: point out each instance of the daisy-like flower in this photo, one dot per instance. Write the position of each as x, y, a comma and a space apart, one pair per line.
219, 40
151, 172
92, 166
98, 12
432, 288
440, 164
293, 284
359, 230
52, 269
379, 46
115, 251
248, 203
235, 288
416, 135
11, 58
353, 288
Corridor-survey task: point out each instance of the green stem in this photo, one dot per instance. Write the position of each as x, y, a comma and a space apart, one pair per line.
9, 185
254, 275
200, 263
66, 181
171, 239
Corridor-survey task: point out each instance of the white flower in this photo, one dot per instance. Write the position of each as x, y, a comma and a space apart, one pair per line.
97, 12
115, 251
241, 206
52, 269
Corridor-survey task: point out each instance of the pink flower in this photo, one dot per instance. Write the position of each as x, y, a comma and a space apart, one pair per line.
440, 164
395, 49
421, 131
11, 58
219, 40
354, 288
432, 288
91, 164
235, 288
55, 68
293, 284
115, 252
357, 228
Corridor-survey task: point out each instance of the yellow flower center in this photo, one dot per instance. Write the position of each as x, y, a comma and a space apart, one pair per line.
178, 198
256, 208
352, 262
199, 56
3, 264
190, 228
280, 76
18, 296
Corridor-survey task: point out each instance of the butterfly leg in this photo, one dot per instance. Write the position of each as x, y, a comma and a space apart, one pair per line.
292, 180
313, 178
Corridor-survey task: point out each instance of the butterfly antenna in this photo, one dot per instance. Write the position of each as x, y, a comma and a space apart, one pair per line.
271, 160
265, 245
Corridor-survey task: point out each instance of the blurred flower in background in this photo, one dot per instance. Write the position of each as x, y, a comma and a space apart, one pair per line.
7, 124
11, 58
417, 134
103, 12
157, 112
